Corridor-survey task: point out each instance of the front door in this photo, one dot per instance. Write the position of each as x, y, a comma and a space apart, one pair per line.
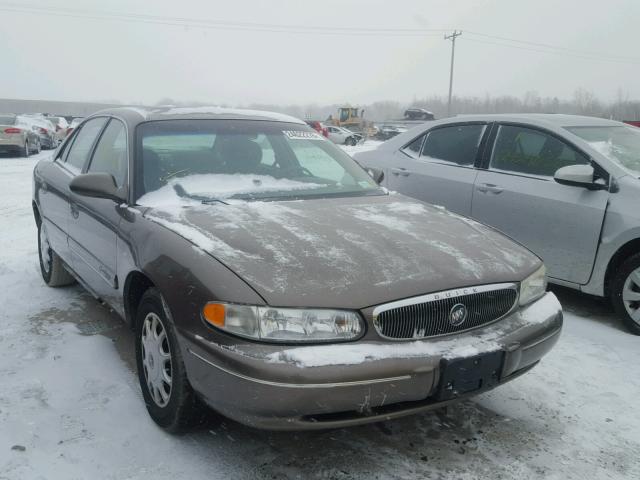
94, 221
438, 167
518, 195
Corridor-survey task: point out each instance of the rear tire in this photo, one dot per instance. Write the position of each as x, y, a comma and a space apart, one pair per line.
625, 293
51, 266
38, 147
25, 151
170, 400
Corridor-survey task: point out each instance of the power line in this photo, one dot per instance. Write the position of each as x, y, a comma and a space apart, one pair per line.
215, 24
566, 54
552, 47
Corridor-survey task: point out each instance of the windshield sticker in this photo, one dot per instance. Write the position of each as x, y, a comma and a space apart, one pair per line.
302, 135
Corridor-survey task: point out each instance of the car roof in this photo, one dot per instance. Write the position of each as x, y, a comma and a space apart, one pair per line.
136, 115
543, 119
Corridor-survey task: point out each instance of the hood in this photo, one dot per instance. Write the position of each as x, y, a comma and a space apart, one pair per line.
348, 252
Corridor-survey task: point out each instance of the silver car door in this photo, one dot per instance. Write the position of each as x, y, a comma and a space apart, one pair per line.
439, 166
518, 195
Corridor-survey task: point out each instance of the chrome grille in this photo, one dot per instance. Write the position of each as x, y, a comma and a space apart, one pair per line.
430, 315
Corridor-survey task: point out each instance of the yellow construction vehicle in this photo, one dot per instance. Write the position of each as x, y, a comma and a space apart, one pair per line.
351, 118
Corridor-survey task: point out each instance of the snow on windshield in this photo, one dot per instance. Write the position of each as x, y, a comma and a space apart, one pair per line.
616, 153
219, 186
620, 144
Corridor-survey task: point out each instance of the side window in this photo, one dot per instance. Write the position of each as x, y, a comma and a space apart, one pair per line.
529, 151
457, 144
77, 156
110, 155
413, 149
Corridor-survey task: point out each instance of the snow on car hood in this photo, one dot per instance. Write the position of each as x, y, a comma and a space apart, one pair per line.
348, 252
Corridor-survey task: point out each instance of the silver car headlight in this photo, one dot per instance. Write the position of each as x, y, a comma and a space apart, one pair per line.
284, 325
534, 286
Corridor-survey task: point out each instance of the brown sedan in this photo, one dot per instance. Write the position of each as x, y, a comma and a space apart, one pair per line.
269, 276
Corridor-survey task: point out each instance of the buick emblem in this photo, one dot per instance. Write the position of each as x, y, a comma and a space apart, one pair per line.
457, 314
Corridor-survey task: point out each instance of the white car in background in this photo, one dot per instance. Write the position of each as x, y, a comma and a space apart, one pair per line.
343, 136
61, 125
17, 137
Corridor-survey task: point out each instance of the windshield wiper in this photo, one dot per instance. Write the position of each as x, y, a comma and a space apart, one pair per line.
205, 200
310, 196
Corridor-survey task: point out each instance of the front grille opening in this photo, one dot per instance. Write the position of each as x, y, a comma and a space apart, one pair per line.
432, 318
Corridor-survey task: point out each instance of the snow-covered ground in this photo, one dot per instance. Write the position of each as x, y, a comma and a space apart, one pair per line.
71, 408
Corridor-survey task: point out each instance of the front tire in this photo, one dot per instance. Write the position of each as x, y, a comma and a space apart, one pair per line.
51, 266
170, 400
625, 293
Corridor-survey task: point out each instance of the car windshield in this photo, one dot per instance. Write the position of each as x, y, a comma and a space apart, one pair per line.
216, 160
619, 144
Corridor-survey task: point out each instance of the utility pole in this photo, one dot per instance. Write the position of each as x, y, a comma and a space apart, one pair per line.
451, 37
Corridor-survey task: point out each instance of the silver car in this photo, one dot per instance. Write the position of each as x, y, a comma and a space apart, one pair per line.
565, 186
343, 136
16, 136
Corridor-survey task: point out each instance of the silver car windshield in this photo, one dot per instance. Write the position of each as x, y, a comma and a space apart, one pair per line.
217, 160
619, 144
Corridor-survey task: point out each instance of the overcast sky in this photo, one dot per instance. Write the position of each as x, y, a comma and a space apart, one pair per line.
80, 58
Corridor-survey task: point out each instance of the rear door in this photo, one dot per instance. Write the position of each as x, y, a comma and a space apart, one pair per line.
53, 199
94, 221
517, 194
439, 166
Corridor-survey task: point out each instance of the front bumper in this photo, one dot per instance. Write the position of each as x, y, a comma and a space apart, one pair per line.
327, 386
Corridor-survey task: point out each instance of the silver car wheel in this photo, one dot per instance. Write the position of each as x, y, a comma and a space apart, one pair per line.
156, 359
631, 295
45, 250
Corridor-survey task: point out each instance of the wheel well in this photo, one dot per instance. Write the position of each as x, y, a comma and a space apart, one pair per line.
628, 249
136, 284
36, 213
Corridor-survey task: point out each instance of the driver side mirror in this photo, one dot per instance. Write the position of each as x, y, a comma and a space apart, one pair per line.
376, 173
578, 176
96, 185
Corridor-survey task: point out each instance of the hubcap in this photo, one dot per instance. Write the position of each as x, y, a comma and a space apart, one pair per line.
156, 359
631, 295
45, 250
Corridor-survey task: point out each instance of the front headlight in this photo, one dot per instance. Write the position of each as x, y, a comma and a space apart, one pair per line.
284, 325
534, 286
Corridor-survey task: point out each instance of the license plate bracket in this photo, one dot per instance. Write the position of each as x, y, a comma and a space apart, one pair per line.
469, 374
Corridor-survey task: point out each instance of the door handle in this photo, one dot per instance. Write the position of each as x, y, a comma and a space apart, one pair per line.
489, 187
400, 171
75, 213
